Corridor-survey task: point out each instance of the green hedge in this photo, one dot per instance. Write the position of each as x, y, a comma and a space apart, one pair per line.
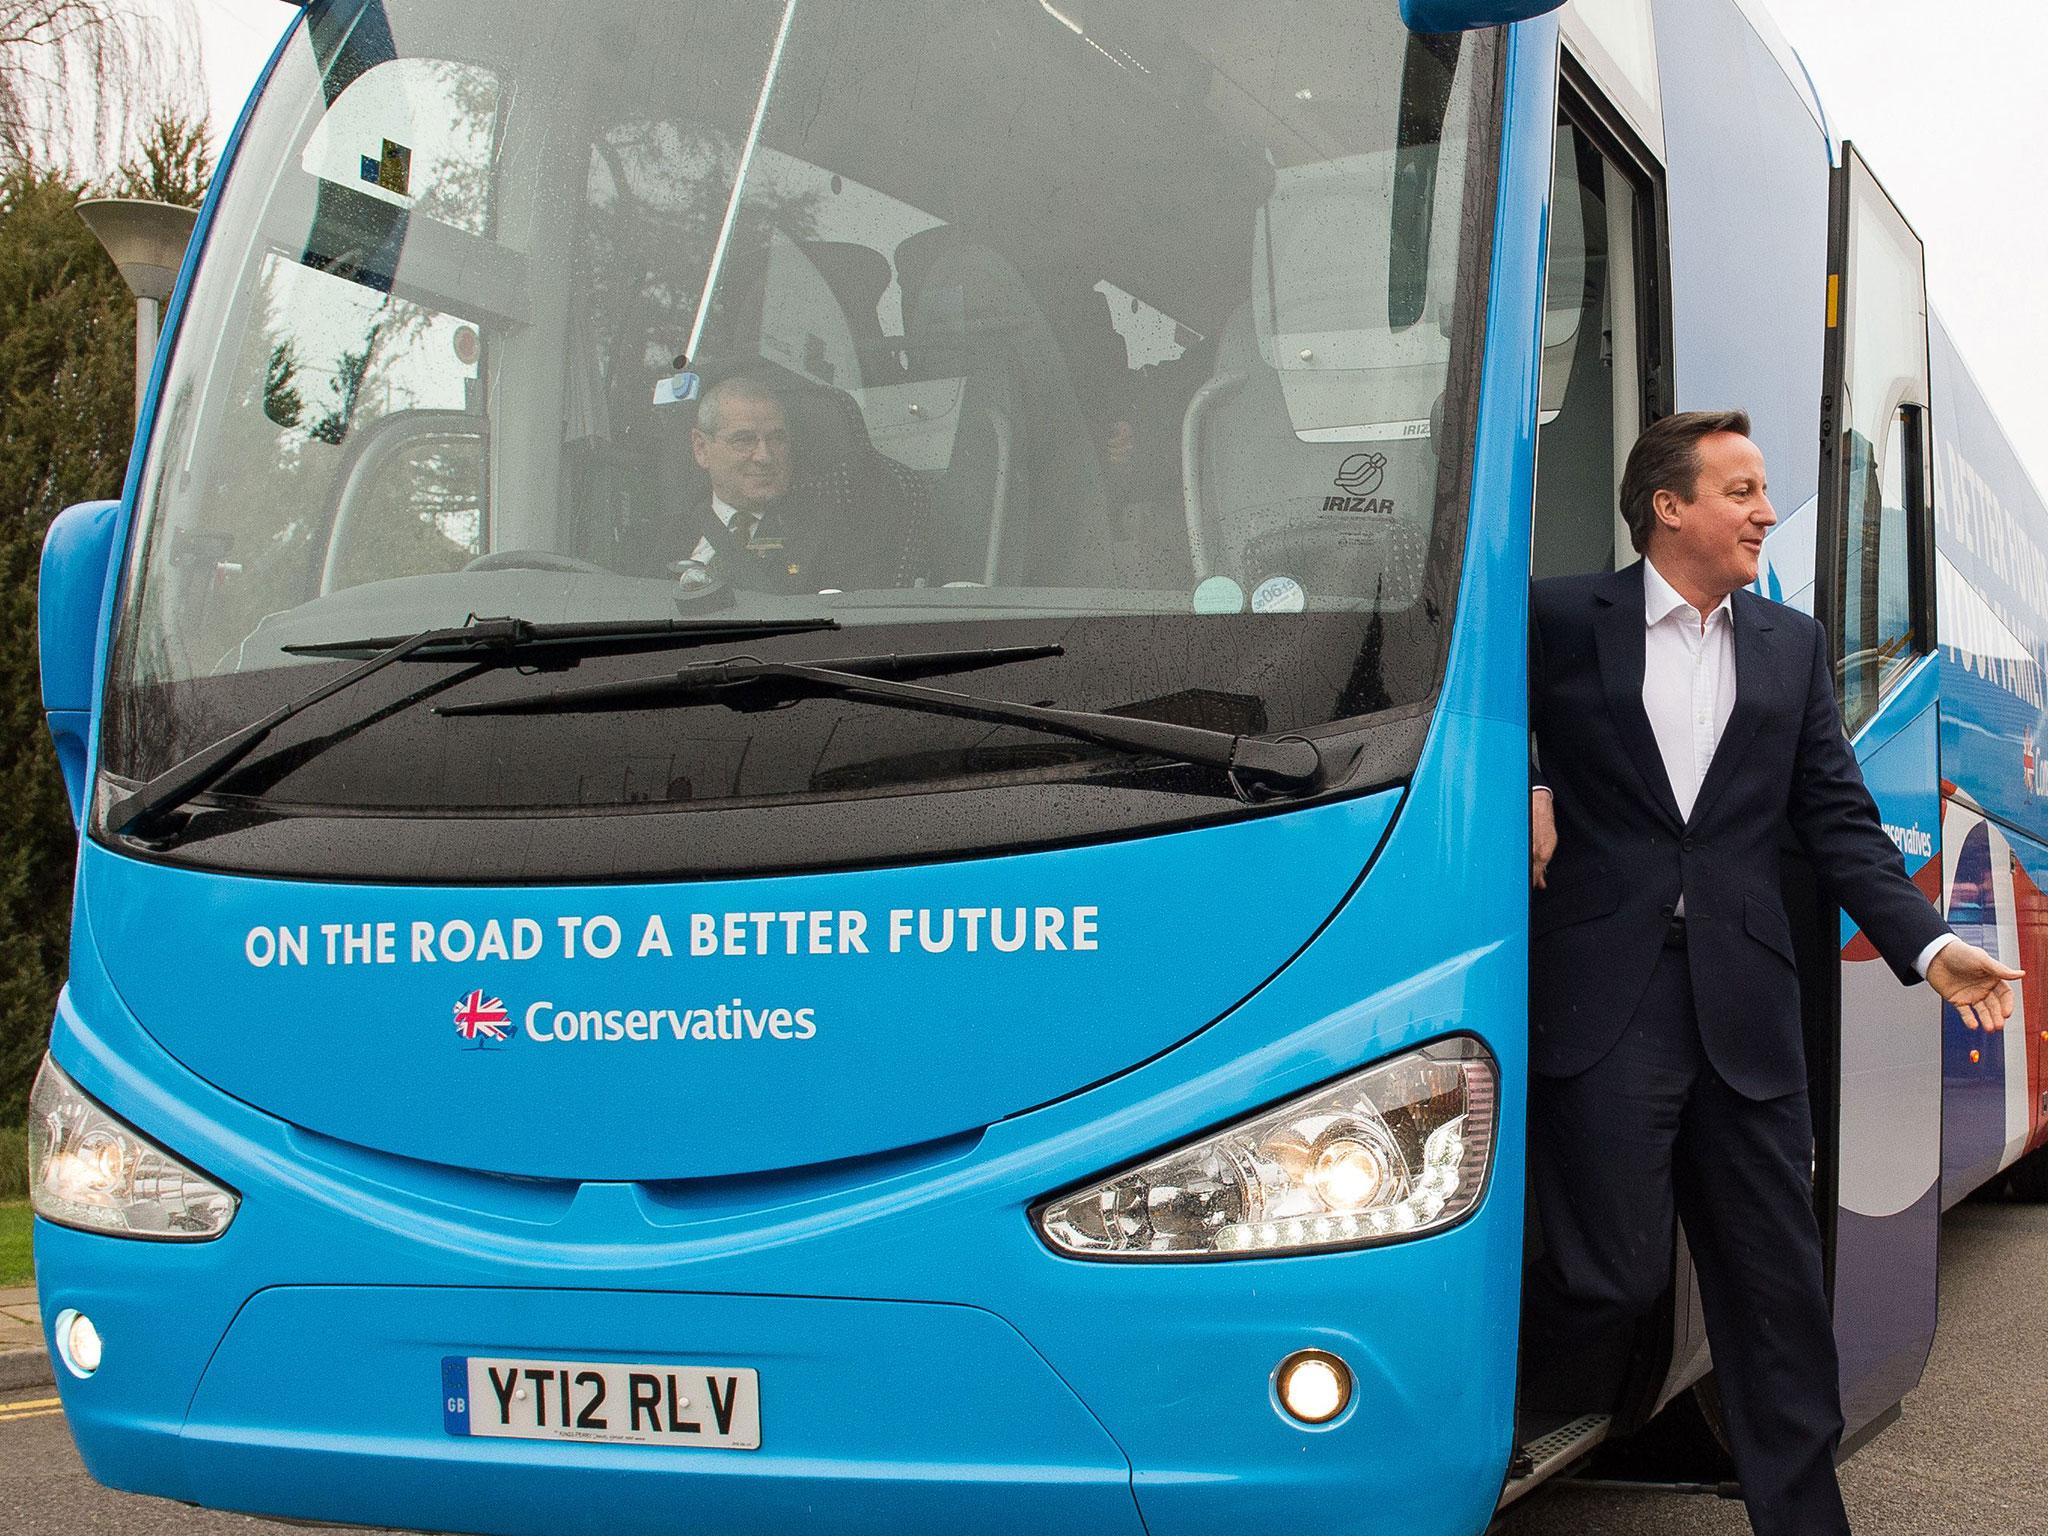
67, 346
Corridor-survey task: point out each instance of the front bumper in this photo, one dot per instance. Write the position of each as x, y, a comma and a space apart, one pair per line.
320, 1403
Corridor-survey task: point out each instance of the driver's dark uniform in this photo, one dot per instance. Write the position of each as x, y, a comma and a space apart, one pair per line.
809, 540
781, 554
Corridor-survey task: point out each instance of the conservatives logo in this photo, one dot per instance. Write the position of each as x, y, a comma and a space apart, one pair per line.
481, 1020
486, 1023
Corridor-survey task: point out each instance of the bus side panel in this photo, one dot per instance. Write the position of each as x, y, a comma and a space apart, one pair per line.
1889, 1092
2026, 1057
1980, 910
1748, 191
1991, 532
1991, 578
1992, 1083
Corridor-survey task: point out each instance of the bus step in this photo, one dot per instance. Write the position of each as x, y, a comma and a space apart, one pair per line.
1549, 1452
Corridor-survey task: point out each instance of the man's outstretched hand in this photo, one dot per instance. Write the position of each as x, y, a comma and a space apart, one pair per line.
1543, 837
1974, 984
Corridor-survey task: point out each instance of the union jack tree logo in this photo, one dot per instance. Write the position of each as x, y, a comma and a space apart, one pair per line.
479, 1018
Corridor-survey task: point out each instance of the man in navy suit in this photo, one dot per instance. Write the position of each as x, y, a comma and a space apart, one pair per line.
1680, 722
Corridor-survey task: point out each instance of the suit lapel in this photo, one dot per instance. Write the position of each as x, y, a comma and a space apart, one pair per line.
1755, 693
1618, 638
787, 542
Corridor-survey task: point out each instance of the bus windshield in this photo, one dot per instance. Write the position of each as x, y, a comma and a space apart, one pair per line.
1129, 330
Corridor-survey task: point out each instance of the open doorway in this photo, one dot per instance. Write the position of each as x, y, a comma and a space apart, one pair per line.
1602, 356
1604, 378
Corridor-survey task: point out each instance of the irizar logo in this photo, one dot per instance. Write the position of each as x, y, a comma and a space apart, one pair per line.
1359, 477
1362, 473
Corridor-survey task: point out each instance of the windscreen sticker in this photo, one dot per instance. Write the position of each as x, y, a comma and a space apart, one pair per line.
1279, 594
1219, 594
1361, 474
677, 389
1359, 479
392, 170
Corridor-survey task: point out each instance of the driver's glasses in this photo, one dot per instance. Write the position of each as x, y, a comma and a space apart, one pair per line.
747, 444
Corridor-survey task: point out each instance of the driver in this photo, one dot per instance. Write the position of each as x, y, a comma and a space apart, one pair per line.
752, 531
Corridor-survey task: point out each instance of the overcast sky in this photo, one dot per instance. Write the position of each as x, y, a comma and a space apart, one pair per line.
238, 36
1945, 101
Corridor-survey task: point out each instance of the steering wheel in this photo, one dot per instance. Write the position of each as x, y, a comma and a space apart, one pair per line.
533, 560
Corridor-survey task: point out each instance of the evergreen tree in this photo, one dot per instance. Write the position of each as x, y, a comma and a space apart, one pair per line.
283, 401
67, 390
174, 163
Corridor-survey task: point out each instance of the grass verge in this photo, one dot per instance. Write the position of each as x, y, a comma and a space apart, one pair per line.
13, 1162
17, 1263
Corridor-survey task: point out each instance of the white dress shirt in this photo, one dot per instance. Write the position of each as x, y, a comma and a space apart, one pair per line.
1688, 682
1689, 693
726, 513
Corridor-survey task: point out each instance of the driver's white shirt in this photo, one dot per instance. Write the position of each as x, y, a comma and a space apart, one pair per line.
726, 513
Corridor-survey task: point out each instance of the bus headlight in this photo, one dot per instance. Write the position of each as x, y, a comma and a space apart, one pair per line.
89, 1170
1392, 1152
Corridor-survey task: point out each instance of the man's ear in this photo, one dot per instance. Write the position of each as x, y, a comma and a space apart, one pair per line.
1665, 505
700, 446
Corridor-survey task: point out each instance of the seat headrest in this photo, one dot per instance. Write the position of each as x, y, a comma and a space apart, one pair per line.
857, 276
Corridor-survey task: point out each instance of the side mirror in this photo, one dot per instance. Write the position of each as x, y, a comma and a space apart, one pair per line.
76, 556
1470, 15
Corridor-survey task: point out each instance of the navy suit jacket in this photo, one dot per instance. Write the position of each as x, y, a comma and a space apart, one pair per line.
1624, 854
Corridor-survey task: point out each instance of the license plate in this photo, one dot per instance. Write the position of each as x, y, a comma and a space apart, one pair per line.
713, 1407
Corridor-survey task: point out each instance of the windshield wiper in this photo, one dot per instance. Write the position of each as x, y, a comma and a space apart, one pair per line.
486, 642
584, 639
1283, 763
749, 681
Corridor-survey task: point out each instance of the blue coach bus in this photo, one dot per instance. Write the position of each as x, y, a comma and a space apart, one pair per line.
993, 994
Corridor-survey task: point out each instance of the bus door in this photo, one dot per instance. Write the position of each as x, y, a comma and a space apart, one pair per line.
1877, 1062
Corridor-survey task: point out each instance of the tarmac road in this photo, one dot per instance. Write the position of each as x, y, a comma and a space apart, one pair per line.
1966, 1457
1965, 1460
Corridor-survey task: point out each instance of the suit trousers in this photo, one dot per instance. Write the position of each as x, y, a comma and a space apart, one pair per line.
1651, 1129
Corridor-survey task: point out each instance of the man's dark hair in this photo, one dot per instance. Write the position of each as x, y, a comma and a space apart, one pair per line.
1667, 458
